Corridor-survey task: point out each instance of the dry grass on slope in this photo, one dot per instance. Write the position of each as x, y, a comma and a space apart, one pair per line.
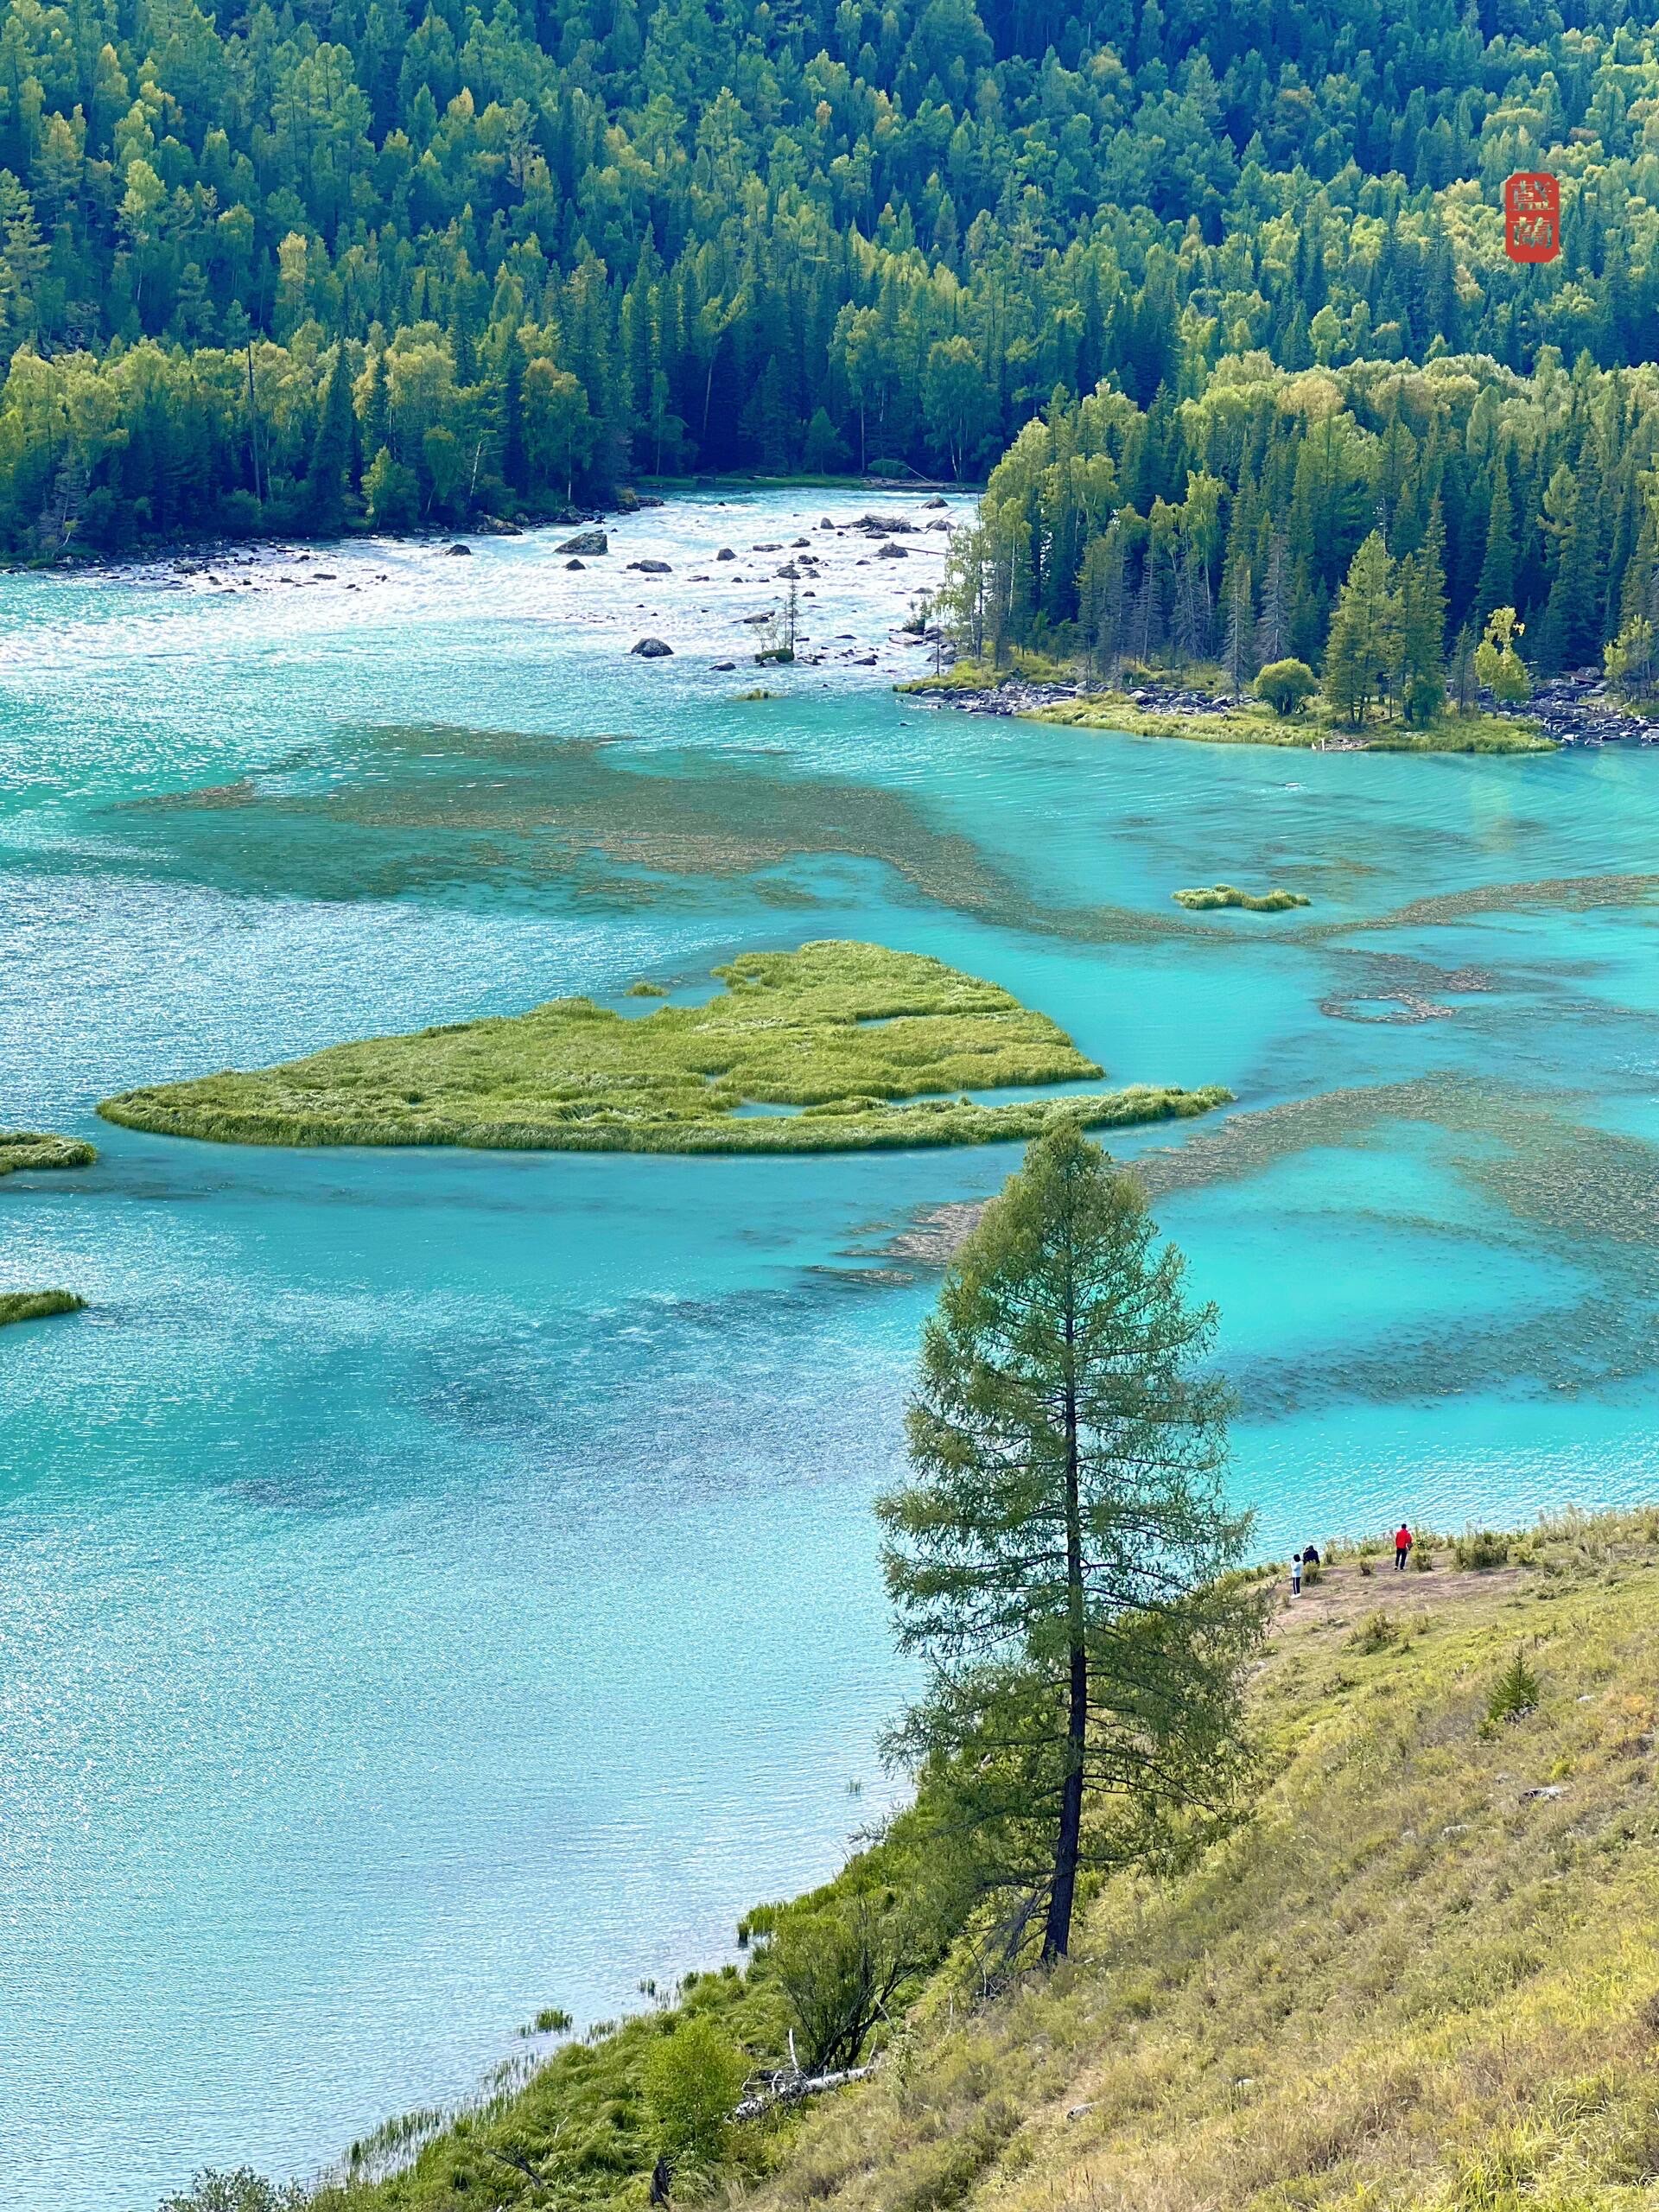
1411, 1980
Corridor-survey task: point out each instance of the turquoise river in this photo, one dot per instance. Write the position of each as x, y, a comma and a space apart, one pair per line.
436, 1586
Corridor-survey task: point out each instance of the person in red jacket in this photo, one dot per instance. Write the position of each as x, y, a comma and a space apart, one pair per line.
1402, 1545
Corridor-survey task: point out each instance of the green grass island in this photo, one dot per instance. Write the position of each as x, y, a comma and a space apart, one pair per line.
37, 1305
836, 1047
28, 1148
1209, 898
36, 1148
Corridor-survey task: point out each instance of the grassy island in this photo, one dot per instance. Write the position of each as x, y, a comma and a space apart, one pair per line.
1422, 1975
36, 1305
810, 1050
27, 1148
1207, 897
33, 1148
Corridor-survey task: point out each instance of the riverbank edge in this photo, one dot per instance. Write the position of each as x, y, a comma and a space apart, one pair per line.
1077, 706
648, 493
1487, 1571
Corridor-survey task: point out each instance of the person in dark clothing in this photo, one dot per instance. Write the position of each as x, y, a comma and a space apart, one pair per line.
1402, 1545
1310, 1556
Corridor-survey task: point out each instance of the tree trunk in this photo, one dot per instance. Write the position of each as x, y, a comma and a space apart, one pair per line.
1056, 1935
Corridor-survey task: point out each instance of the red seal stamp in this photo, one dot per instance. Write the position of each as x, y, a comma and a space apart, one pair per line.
1532, 216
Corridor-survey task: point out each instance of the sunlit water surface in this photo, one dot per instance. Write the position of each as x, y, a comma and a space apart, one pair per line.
436, 1586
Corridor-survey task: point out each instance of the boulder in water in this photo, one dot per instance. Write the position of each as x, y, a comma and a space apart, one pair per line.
458, 548
586, 540
575, 564
892, 552
651, 649
651, 567
725, 554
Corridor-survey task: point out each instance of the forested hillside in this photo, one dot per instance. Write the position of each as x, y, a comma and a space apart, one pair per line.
293, 267
1381, 512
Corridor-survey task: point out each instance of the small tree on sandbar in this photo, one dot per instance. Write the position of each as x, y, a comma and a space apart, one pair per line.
1058, 1554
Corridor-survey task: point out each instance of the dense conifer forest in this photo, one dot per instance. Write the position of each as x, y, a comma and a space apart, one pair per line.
1384, 520
349, 262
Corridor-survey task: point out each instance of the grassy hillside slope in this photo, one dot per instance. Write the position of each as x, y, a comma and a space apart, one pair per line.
1409, 1980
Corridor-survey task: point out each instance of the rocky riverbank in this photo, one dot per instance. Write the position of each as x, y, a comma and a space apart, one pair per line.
1575, 708
1578, 708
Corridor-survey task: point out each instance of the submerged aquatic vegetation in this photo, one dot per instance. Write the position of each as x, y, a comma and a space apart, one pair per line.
803, 1052
34, 1149
36, 1305
1204, 898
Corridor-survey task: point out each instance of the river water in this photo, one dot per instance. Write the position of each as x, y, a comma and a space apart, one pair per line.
436, 1586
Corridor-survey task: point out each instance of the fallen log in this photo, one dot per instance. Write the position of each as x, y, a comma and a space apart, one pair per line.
791, 2087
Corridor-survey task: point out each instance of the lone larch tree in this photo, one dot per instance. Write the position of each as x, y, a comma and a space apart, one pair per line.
1060, 1554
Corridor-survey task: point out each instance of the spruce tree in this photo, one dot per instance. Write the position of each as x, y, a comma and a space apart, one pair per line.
1364, 649
1272, 624
1497, 584
1238, 651
1422, 625
1056, 1553
331, 451
376, 407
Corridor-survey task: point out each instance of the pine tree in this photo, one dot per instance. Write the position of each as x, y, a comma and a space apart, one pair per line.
1463, 676
1237, 651
1272, 624
331, 451
1497, 584
1103, 601
1571, 630
1364, 649
1055, 1555
1422, 625
376, 406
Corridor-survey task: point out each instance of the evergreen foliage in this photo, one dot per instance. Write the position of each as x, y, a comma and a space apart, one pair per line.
1057, 1553
1141, 535
539, 248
